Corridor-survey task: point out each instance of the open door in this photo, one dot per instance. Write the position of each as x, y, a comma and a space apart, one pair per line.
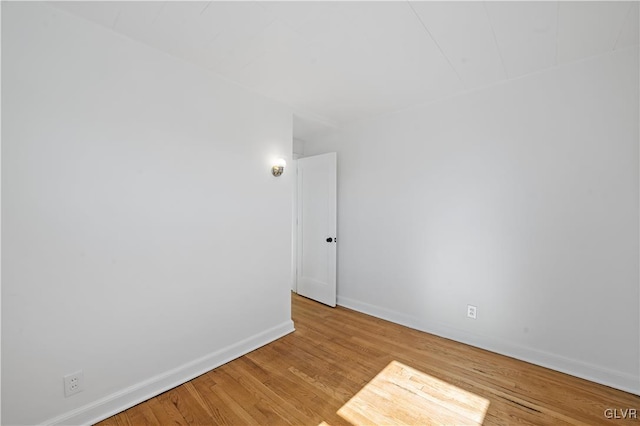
317, 239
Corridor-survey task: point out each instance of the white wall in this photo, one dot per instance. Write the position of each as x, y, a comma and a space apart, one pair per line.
522, 199
144, 239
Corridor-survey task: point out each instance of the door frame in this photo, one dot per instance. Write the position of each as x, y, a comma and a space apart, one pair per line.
294, 228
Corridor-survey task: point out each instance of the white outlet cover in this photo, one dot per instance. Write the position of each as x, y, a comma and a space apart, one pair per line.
472, 311
73, 383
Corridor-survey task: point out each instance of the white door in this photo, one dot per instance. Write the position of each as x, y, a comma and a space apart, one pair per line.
316, 260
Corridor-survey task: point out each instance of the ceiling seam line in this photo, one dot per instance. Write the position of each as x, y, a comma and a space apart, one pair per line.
495, 39
205, 8
464, 86
557, 30
160, 10
472, 90
624, 21
115, 20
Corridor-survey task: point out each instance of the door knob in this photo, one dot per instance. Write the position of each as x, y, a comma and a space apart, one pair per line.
329, 240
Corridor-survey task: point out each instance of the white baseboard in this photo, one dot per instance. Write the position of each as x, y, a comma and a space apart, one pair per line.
127, 398
615, 379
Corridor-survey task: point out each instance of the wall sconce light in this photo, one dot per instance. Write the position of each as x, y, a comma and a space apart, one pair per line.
278, 167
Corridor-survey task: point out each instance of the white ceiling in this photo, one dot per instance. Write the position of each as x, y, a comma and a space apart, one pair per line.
337, 62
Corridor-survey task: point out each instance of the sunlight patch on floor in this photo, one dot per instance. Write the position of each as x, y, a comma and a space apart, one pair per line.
400, 395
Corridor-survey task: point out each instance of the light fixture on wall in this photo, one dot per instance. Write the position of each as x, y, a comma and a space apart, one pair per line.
278, 167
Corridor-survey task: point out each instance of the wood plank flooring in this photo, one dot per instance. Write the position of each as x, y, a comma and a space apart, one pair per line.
341, 367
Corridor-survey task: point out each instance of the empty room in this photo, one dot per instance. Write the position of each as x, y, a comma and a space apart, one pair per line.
320, 212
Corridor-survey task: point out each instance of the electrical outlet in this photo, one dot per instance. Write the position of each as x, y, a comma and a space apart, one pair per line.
73, 383
471, 311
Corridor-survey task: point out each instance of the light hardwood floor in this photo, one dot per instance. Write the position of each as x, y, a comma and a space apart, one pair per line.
342, 367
